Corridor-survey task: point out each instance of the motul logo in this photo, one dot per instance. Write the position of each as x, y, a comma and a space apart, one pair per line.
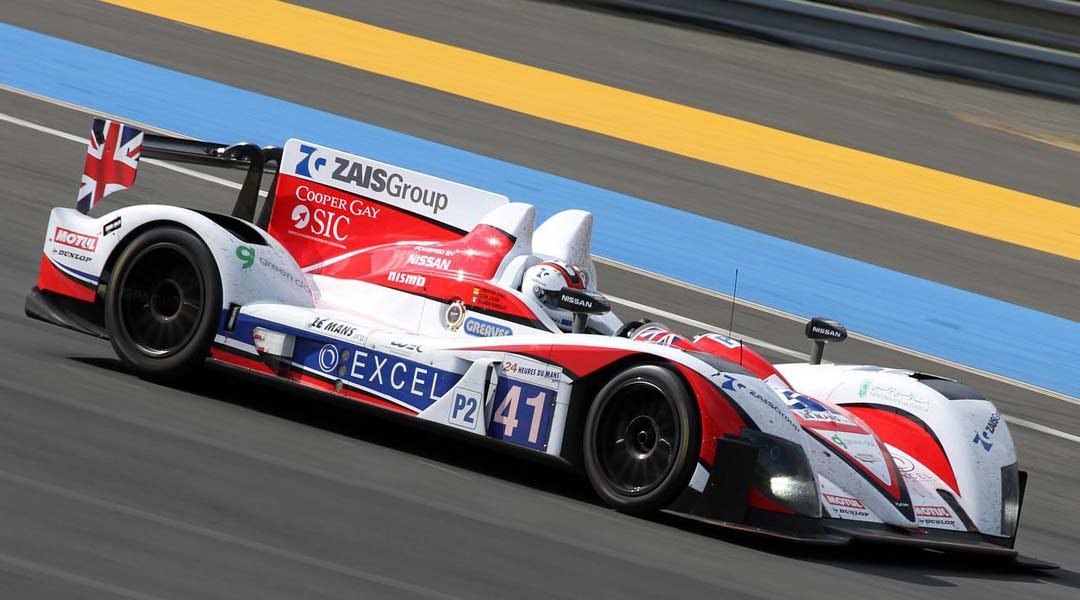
939, 512
843, 501
75, 240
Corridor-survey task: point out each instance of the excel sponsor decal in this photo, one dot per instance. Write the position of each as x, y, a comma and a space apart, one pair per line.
74, 239
405, 381
907, 469
481, 328
329, 356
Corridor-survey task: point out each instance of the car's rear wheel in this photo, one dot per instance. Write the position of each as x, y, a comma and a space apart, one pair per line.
642, 433
163, 303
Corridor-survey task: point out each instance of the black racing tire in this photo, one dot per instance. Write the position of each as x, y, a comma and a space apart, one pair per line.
641, 441
163, 304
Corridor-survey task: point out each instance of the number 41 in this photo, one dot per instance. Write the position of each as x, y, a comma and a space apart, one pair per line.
506, 413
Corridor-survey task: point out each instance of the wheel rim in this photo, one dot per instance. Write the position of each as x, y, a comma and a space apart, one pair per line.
637, 437
161, 299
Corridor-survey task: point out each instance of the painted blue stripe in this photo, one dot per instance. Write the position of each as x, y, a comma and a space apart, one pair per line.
929, 317
75, 272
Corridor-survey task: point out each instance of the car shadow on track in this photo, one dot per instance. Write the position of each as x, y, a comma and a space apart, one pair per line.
376, 426
476, 455
910, 565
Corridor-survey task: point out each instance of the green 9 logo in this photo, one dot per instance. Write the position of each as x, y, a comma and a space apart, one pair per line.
246, 254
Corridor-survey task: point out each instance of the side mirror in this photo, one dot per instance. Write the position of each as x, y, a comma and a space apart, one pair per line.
582, 303
821, 331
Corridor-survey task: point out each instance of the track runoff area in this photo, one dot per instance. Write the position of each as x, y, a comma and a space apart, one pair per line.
77, 76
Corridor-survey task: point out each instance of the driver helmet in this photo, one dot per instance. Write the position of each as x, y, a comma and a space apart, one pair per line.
546, 280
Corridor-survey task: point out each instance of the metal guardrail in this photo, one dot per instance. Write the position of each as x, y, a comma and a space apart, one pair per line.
936, 48
1050, 23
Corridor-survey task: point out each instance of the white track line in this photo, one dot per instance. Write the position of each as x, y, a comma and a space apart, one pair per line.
152, 161
73, 578
208, 532
708, 327
656, 311
1042, 428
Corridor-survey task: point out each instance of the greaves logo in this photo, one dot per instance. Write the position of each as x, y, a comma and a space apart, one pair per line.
80, 241
481, 328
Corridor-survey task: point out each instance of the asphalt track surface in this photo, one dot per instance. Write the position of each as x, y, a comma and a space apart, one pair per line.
114, 487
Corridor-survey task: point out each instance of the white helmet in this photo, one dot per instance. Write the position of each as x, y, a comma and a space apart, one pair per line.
546, 280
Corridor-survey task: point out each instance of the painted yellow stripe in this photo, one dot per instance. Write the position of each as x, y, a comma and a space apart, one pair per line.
927, 194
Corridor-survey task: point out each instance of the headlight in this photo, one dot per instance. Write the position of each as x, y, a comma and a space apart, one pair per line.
783, 473
1010, 499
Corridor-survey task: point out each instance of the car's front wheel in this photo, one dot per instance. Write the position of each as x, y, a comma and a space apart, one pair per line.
163, 303
642, 434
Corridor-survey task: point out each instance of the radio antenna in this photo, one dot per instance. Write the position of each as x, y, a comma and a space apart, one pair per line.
734, 291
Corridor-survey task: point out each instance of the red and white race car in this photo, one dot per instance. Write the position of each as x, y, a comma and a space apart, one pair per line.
441, 301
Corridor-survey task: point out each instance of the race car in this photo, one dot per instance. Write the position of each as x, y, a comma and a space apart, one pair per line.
433, 299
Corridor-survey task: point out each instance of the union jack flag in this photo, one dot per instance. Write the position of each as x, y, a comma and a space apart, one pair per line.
112, 158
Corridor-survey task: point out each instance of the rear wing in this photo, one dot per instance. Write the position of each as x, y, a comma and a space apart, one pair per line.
331, 204
114, 151
242, 155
